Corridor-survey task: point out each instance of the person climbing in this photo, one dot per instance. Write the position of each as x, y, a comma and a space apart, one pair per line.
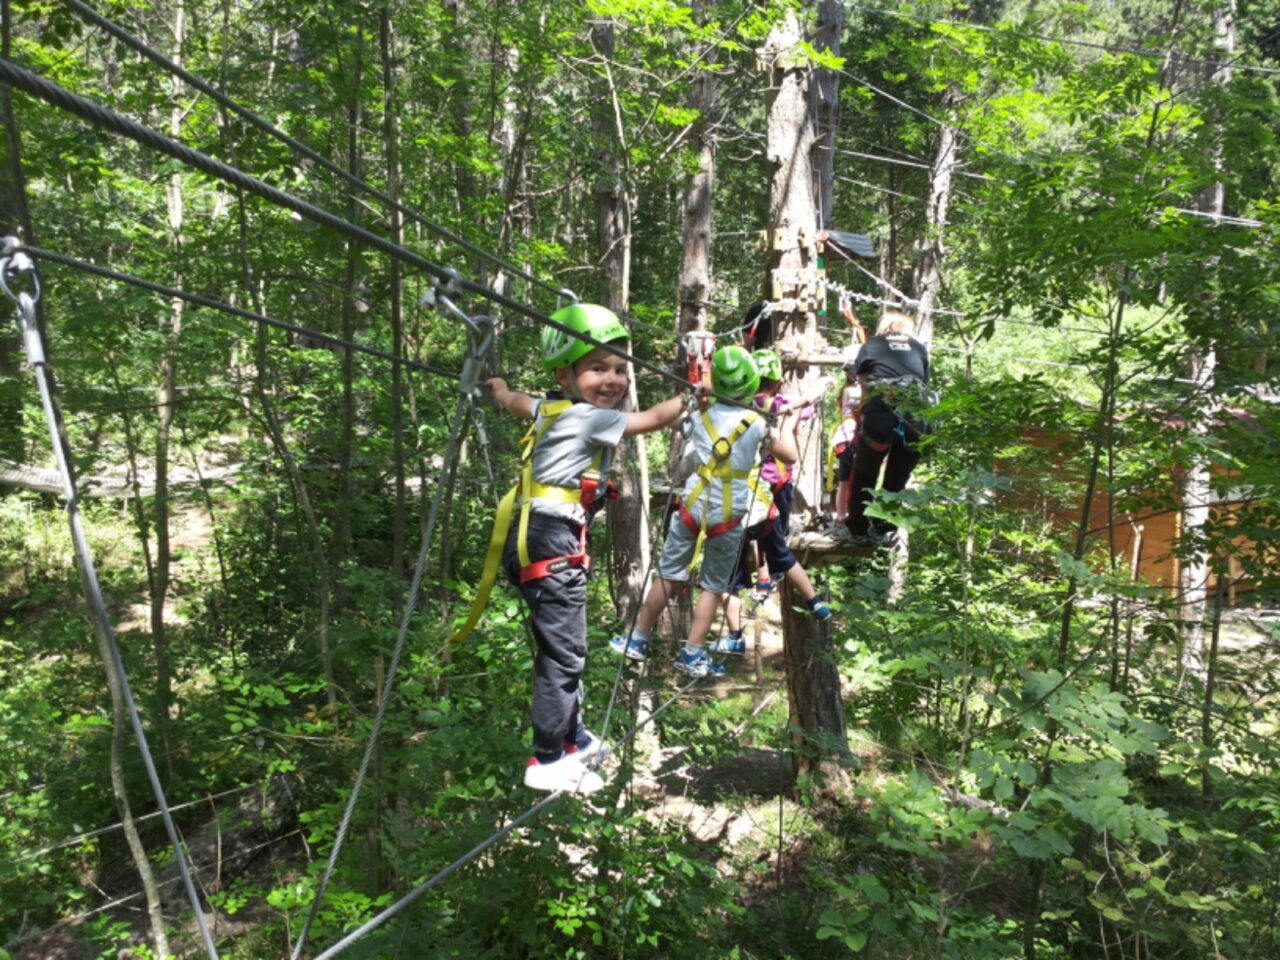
567, 456
770, 534
844, 440
722, 496
757, 329
893, 372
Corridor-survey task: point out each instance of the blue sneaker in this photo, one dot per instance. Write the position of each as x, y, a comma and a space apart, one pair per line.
698, 664
729, 645
633, 648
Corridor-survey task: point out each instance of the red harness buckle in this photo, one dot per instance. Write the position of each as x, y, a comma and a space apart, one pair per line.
695, 528
553, 565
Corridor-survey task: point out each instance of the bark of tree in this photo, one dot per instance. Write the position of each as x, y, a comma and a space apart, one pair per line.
630, 540
1193, 578
694, 288
825, 84
927, 279
390, 136
166, 403
817, 712
342, 532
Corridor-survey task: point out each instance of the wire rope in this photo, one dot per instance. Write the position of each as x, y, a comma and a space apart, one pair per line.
11, 264
95, 113
200, 300
460, 417
100, 831
141, 47
605, 751
1066, 41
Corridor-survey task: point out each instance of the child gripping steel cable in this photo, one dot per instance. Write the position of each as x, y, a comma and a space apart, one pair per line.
567, 455
721, 497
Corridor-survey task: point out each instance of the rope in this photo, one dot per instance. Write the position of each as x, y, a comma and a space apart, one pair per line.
298, 146
95, 113
605, 751
10, 265
1066, 41
203, 301
460, 416
72, 841
112, 904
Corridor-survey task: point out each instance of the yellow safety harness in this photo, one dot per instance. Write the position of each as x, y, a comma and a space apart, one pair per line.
526, 489
720, 468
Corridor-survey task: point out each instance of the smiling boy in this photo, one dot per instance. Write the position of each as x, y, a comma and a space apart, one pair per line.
561, 488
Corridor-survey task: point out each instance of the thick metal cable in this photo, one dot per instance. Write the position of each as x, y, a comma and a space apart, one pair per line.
416, 892
1066, 41
89, 835
395, 908
460, 416
34, 346
95, 113
203, 301
141, 47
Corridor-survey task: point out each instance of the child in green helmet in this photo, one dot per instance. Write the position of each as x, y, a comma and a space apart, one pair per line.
770, 535
721, 497
562, 486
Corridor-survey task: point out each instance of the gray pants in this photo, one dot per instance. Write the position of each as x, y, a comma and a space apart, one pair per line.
558, 616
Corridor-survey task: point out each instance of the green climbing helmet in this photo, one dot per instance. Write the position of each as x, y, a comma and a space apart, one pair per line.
768, 363
561, 349
734, 373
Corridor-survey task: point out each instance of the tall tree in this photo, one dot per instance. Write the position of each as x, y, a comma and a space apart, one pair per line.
1197, 491
813, 680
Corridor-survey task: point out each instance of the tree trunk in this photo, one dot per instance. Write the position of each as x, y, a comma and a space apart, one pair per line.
819, 737
166, 401
817, 712
630, 538
279, 443
826, 107
927, 282
1193, 576
13, 222
342, 532
390, 135
119, 722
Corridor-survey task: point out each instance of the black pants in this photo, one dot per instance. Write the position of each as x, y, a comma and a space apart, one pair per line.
902, 457
558, 616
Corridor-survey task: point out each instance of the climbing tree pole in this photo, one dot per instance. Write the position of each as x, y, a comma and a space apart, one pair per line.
813, 682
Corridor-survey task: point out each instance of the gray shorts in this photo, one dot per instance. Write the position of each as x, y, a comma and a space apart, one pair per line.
719, 557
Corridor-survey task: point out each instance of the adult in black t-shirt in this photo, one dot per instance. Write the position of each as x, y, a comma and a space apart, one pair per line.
893, 370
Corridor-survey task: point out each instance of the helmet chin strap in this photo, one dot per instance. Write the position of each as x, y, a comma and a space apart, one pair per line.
574, 392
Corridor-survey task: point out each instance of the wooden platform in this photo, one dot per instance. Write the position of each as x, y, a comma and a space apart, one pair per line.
815, 549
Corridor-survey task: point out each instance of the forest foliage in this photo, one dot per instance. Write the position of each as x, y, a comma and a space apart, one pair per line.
1054, 758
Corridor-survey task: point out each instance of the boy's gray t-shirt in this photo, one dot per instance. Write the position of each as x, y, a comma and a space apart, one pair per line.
745, 456
566, 450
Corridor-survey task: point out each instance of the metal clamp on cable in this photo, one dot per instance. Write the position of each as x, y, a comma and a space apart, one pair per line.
12, 265
479, 351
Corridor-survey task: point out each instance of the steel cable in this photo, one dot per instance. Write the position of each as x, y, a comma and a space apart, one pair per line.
34, 344
141, 47
451, 452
